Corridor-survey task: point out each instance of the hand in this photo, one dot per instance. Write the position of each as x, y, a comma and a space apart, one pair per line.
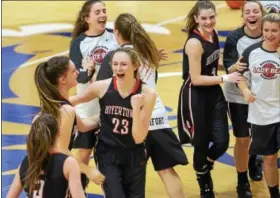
96, 176
88, 64
163, 54
235, 77
240, 66
248, 96
137, 101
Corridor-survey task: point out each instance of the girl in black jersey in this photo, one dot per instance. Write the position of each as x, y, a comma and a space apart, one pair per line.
262, 92
46, 172
53, 80
91, 41
237, 41
202, 109
126, 108
162, 144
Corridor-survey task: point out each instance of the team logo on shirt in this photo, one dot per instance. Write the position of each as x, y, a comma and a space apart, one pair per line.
269, 70
99, 53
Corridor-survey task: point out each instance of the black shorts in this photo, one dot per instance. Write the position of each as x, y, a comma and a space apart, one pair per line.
238, 114
265, 139
202, 115
124, 169
165, 149
85, 140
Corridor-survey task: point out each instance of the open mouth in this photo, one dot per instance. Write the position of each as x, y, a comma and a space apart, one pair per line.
102, 21
120, 76
252, 21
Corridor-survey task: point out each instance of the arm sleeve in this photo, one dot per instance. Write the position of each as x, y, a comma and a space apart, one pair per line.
245, 59
105, 70
76, 57
230, 55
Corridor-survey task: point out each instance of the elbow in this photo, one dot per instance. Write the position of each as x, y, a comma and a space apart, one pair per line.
195, 81
138, 141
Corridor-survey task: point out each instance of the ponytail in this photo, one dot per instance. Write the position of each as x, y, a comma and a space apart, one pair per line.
40, 139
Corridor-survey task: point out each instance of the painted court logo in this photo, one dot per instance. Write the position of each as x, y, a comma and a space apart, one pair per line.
269, 70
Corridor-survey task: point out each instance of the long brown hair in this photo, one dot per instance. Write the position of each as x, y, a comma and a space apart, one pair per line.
200, 5
46, 81
81, 25
254, 1
135, 57
40, 139
131, 30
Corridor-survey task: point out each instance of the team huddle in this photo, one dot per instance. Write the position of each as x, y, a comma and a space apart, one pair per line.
118, 115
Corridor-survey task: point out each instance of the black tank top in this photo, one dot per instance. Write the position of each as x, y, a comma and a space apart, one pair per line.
74, 127
52, 181
116, 117
210, 56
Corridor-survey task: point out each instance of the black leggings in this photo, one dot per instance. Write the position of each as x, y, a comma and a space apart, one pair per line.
202, 120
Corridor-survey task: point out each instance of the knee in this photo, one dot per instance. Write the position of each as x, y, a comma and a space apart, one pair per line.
222, 147
270, 160
168, 171
217, 150
243, 142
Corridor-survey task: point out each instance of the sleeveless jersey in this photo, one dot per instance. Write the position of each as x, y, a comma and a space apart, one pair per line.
264, 76
52, 181
116, 117
209, 59
74, 127
236, 43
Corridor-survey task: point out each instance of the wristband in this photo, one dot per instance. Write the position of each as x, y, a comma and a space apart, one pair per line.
224, 78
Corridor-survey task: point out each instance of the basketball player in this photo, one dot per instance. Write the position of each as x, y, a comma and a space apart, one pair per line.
263, 96
237, 41
162, 144
202, 109
91, 42
126, 108
46, 172
53, 80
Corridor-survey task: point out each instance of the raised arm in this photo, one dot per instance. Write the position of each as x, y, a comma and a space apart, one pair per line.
232, 61
143, 106
77, 58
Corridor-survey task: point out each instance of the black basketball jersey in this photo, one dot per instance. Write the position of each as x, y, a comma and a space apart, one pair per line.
74, 127
210, 56
116, 116
52, 181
